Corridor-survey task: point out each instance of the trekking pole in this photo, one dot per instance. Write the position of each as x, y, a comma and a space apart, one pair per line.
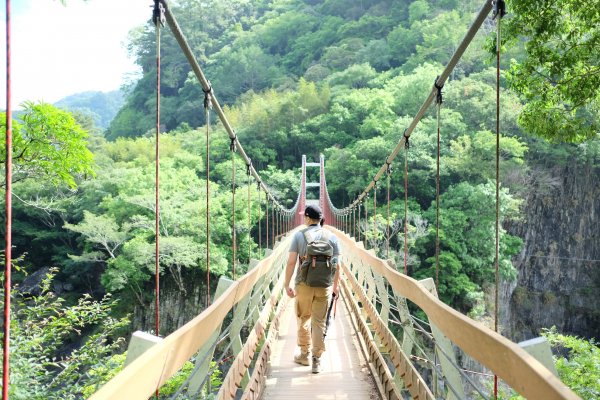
331, 304
335, 306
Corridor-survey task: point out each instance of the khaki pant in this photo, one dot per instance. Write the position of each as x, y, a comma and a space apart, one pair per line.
311, 308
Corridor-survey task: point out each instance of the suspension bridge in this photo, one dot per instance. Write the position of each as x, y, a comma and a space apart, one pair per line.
377, 348
391, 337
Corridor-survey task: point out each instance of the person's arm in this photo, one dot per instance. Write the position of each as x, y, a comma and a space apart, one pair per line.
289, 271
337, 259
336, 278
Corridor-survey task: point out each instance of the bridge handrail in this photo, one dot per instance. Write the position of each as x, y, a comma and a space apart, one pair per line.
506, 359
147, 373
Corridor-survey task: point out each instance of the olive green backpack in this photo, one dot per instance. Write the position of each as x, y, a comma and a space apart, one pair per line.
316, 269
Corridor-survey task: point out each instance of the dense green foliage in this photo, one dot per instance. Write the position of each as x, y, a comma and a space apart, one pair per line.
578, 363
48, 146
255, 45
559, 76
44, 362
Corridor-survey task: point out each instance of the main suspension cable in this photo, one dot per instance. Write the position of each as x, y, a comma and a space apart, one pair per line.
189, 54
469, 35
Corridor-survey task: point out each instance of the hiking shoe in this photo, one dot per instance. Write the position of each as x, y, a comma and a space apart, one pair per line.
316, 365
301, 359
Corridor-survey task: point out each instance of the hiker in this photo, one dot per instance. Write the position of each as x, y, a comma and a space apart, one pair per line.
317, 278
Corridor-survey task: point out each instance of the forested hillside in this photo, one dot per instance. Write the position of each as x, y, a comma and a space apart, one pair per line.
339, 77
101, 107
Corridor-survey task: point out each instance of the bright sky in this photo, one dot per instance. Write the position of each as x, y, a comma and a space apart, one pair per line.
60, 50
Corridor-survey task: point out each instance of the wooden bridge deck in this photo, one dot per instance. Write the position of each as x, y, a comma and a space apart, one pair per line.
345, 374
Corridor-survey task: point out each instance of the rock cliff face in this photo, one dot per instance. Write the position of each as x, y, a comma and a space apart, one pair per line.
176, 307
559, 267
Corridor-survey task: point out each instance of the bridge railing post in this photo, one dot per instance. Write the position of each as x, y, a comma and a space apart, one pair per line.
204, 357
265, 305
445, 353
387, 361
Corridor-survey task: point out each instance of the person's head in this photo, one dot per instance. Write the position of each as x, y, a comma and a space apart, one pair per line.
312, 214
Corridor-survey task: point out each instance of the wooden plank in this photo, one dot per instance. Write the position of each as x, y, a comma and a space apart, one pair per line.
344, 373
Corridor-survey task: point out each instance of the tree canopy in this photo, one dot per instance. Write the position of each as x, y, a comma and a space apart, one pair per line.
559, 76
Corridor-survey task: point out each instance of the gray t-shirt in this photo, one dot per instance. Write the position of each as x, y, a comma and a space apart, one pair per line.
299, 244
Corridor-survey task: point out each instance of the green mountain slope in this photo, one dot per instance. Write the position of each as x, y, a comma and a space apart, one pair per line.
101, 106
256, 45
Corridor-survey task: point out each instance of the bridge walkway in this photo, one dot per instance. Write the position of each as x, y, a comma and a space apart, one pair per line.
345, 374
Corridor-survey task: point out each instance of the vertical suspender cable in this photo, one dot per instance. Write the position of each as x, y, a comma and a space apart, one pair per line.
248, 168
366, 206
387, 225
207, 108
437, 187
358, 212
273, 226
233, 232
375, 227
259, 222
158, 17
406, 147
354, 222
267, 219
8, 222
499, 11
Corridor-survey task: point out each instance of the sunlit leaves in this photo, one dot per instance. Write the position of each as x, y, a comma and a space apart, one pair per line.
560, 76
44, 365
577, 363
48, 145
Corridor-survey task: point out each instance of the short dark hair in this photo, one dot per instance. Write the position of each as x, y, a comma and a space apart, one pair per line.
313, 212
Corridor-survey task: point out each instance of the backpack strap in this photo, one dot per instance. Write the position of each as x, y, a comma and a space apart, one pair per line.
308, 240
303, 258
325, 235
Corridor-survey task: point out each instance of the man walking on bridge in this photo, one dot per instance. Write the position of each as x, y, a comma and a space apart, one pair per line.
317, 278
